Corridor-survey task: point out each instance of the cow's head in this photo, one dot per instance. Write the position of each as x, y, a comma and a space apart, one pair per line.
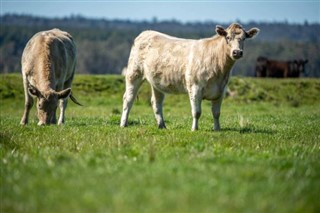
234, 36
47, 103
299, 65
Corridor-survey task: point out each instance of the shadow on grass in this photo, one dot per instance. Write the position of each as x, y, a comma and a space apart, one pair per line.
116, 122
248, 130
172, 126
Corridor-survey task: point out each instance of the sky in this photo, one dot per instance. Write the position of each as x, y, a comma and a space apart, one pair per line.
292, 11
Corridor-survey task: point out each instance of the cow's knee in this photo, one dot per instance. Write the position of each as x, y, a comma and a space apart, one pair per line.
197, 114
216, 115
156, 106
29, 104
124, 98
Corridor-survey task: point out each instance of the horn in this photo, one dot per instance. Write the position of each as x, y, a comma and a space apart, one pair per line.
74, 100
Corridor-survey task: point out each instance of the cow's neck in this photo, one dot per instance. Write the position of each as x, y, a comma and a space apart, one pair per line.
222, 63
229, 62
228, 65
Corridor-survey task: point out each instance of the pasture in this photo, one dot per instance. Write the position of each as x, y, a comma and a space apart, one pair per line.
265, 159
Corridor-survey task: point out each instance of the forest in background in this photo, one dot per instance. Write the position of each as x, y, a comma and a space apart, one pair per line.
104, 45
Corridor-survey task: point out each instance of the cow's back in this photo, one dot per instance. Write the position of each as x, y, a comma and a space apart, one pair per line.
161, 59
49, 56
277, 69
152, 46
162, 43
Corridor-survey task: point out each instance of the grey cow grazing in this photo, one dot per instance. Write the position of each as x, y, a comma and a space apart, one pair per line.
200, 68
48, 66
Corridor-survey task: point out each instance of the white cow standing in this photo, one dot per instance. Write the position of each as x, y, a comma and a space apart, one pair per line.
200, 68
48, 66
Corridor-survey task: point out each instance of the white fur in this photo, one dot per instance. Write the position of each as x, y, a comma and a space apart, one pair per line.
200, 68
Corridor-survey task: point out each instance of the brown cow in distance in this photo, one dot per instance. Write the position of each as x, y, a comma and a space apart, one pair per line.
279, 69
261, 67
298, 67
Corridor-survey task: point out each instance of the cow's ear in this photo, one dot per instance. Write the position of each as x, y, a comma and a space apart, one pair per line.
34, 91
252, 32
64, 93
221, 31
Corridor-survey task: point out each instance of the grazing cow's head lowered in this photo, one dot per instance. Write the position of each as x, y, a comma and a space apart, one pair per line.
235, 36
48, 103
48, 65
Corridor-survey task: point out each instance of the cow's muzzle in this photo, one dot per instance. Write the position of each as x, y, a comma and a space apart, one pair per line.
41, 123
237, 54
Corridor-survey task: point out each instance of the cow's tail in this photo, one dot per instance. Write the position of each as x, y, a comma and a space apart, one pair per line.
74, 100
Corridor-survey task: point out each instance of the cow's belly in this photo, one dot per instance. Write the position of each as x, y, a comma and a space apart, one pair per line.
169, 88
213, 92
167, 83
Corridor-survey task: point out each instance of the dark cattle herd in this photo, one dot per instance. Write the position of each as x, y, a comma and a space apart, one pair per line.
279, 69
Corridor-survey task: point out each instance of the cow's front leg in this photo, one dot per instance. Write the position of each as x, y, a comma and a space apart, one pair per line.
54, 117
216, 106
62, 105
28, 103
157, 101
195, 101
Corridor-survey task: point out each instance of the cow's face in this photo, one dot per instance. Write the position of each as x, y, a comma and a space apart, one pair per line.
234, 36
47, 104
299, 65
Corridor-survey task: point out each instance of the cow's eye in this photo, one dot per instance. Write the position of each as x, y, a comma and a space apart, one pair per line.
228, 37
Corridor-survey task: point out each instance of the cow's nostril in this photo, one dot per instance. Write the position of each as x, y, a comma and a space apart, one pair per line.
237, 53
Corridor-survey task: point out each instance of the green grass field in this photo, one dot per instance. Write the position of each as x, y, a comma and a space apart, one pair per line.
265, 159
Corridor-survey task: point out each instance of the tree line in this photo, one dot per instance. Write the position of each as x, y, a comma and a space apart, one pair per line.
104, 45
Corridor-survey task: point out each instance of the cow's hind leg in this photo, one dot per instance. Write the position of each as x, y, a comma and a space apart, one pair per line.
28, 103
132, 87
195, 101
157, 101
